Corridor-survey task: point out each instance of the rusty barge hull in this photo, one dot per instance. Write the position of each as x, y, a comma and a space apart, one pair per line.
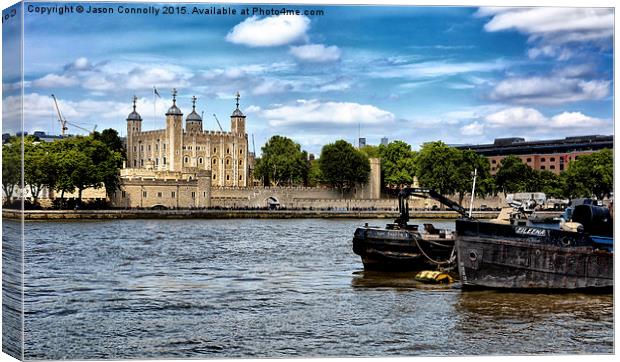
397, 250
530, 258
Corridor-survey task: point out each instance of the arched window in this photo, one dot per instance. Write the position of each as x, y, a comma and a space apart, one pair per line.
214, 161
200, 160
186, 159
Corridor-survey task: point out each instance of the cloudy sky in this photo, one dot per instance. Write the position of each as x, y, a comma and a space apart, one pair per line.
419, 74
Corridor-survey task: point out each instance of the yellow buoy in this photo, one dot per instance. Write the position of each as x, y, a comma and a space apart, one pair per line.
434, 277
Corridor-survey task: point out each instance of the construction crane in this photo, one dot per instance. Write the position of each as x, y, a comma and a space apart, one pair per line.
64, 122
218, 122
61, 119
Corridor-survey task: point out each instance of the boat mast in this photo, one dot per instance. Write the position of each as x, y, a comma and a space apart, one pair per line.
473, 191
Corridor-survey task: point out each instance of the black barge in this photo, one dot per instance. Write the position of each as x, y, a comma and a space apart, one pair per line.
517, 255
403, 247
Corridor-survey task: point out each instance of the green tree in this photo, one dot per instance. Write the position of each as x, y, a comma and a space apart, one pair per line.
111, 139
343, 166
315, 176
546, 181
437, 167
373, 151
282, 162
397, 164
513, 175
39, 168
11, 167
467, 163
590, 175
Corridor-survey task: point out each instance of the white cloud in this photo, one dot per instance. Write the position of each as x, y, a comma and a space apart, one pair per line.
314, 112
270, 31
569, 23
549, 90
55, 81
436, 69
516, 117
554, 29
318, 53
473, 129
520, 117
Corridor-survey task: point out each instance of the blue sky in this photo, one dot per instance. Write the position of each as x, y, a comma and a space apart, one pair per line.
418, 74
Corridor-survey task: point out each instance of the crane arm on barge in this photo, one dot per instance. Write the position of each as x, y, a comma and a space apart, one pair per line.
403, 204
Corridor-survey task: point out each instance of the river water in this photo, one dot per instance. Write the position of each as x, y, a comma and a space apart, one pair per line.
269, 288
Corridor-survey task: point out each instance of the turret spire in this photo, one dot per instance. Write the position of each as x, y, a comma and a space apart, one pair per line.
174, 96
134, 102
194, 103
237, 97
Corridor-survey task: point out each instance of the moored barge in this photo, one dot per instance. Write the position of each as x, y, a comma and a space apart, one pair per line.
404, 247
520, 256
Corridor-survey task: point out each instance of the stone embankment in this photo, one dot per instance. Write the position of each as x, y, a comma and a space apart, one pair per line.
60, 215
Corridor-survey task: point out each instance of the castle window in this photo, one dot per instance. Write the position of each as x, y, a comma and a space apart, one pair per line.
214, 161
157, 146
227, 162
135, 148
141, 148
542, 167
493, 161
123, 194
159, 194
142, 162
214, 149
135, 163
186, 160
227, 177
164, 146
200, 160
240, 162
542, 159
157, 161
193, 195
214, 177
552, 159
552, 167
204, 194
228, 150
144, 193
240, 152
173, 194
164, 160
529, 160
148, 148
240, 178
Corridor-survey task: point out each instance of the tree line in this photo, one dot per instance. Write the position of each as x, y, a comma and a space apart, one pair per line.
447, 170
64, 166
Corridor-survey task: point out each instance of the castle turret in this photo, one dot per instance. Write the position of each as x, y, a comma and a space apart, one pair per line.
193, 122
134, 126
237, 120
174, 135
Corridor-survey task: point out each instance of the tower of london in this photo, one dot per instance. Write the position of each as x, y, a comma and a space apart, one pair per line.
190, 148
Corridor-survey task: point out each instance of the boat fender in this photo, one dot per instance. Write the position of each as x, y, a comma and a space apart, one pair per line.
572, 226
434, 277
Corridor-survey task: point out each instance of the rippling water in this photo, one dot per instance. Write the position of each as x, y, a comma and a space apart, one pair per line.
269, 288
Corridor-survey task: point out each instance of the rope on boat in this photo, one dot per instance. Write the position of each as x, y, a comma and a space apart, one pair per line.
436, 262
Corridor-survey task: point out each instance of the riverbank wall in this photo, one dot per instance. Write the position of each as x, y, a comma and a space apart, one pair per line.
60, 215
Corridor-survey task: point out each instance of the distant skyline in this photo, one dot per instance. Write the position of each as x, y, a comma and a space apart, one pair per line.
463, 75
